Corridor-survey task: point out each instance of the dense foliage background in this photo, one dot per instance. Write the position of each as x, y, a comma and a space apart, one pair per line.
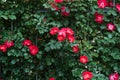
33, 19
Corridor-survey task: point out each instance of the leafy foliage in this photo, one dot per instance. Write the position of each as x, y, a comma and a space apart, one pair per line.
33, 19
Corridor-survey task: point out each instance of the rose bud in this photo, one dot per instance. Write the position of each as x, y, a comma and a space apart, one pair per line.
75, 49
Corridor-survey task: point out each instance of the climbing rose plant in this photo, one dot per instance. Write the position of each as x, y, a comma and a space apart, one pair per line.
59, 40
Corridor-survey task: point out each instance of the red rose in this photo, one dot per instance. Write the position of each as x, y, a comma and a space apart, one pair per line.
55, 7
62, 32
114, 76
27, 42
75, 49
102, 3
87, 75
69, 31
71, 38
3, 48
52, 78
83, 59
58, 1
54, 30
9, 43
110, 27
61, 38
98, 17
65, 11
118, 7
33, 49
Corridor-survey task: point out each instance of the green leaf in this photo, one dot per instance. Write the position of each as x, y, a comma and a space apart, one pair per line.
12, 17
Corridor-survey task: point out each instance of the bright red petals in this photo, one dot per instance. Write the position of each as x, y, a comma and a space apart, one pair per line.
83, 59
114, 76
102, 3
3, 48
69, 31
9, 43
58, 1
63, 34
61, 38
98, 17
33, 50
54, 30
110, 27
27, 42
52, 78
87, 75
71, 38
118, 7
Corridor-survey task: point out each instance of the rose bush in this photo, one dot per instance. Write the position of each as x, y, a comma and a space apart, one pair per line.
59, 39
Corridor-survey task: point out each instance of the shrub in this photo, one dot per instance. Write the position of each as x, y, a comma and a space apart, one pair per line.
97, 39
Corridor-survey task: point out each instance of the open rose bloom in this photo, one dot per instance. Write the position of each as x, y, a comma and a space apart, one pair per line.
110, 27
87, 75
114, 76
102, 3
98, 17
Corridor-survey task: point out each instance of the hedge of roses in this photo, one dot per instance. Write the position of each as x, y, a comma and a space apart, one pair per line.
59, 39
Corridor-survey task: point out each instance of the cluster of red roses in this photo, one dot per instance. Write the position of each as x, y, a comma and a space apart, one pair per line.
32, 48
105, 3
99, 17
64, 10
63, 34
6, 45
68, 33
83, 59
